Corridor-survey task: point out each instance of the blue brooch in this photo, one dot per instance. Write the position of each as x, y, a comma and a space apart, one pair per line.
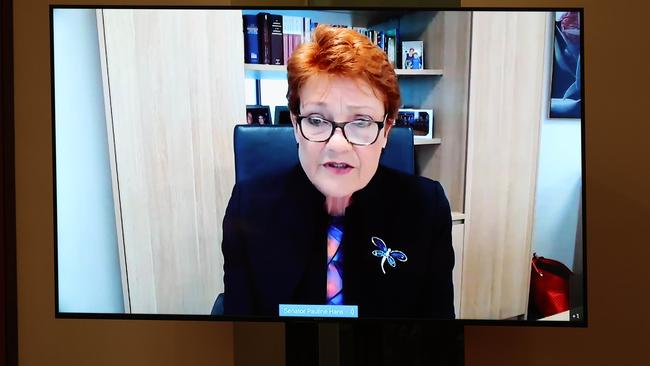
386, 254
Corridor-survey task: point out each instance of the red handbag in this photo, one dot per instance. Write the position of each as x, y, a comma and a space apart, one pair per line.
549, 286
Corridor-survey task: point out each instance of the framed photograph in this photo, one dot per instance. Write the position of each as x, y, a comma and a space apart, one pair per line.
412, 52
565, 98
282, 115
258, 115
420, 120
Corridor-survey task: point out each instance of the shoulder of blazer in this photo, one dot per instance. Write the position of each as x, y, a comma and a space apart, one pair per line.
282, 186
413, 190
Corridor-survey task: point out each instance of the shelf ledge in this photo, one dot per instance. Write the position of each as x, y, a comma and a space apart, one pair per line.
433, 141
457, 216
425, 72
264, 67
283, 68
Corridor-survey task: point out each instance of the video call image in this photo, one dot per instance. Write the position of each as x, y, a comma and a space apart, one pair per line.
272, 164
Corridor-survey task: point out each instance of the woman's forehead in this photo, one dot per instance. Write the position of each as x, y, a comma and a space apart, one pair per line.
325, 90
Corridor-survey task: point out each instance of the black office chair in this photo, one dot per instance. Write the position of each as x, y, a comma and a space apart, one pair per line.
262, 150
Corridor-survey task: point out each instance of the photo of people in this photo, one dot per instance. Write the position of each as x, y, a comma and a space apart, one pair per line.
258, 115
420, 121
412, 55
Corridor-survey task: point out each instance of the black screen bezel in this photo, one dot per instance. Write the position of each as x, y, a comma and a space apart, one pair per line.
582, 323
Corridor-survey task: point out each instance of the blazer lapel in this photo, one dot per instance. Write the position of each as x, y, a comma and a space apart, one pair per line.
366, 217
295, 264
371, 215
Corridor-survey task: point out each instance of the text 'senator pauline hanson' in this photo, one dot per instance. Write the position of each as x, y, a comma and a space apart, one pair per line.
339, 228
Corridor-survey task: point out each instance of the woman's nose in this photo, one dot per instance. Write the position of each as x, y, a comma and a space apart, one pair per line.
338, 140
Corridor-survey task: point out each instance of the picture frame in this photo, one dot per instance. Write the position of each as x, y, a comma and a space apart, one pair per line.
565, 90
420, 120
282, 115
413, 55
258, 115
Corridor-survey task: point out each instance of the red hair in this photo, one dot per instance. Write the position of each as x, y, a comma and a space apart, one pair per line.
345, 53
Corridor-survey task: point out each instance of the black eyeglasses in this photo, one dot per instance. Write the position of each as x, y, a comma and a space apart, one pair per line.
358, 132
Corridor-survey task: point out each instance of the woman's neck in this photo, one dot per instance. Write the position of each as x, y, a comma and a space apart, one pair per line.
336, 206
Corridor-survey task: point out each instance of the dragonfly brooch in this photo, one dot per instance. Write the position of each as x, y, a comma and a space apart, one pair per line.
386, 254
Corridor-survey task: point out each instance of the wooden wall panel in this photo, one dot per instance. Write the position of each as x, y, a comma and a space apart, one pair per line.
175, 96
446, 37
450, 43
504, 118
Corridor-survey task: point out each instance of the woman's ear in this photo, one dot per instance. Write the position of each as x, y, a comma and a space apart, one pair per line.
294, 123
387, 129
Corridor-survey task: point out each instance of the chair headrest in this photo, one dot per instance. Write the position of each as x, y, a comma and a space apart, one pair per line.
261, 150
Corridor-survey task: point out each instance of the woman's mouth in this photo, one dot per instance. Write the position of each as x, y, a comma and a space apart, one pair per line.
338, 167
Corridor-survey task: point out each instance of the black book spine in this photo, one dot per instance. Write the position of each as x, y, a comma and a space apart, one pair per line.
277, 49
264, 31
398, 49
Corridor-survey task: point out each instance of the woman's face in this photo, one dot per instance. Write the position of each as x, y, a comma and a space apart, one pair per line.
336, 167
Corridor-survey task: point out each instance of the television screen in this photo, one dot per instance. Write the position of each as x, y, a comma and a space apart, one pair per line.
177, 196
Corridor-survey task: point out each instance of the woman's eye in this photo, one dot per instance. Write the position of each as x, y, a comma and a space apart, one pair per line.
315, 121
362, 123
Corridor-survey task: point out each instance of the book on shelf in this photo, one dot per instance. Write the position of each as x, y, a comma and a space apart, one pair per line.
277, 47
285, 38
380, 40
271, 39
361, 30
264, 31
391, 46
386, 40
251, 40
293, 32
306, 30
391, 50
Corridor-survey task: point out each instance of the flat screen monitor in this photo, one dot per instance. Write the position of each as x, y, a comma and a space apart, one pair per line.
171, 202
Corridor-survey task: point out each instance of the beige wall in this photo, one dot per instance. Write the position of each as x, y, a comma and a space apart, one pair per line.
43, 340
617, 205
616, 74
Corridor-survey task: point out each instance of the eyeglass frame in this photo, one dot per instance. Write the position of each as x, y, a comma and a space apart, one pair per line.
342, 125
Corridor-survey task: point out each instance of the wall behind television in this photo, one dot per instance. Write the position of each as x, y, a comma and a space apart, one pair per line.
616, 54
617, 205
42, 339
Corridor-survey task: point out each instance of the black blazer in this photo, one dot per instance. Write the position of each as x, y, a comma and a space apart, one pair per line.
274, 246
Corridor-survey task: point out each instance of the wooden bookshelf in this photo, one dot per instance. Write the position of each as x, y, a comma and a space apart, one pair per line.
425, 72
265, 71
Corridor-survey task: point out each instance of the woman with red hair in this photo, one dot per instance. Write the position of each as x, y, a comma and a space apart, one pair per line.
339, 229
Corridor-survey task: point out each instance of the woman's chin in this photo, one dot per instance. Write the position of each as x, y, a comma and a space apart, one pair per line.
336, 185
337, 193
332, 189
